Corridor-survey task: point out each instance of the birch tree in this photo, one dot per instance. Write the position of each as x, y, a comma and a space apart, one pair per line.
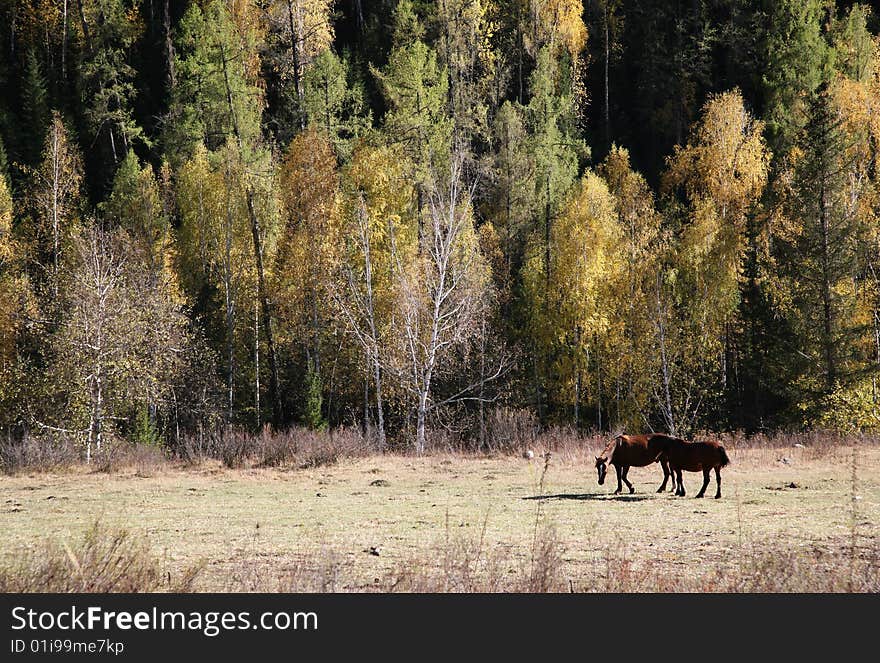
305, 258
570, 319
443, 292
103, 361
55, 196
377, 238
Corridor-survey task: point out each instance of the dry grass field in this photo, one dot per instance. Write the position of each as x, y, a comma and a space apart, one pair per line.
791, 519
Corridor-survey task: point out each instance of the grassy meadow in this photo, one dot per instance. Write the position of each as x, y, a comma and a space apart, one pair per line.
803, 518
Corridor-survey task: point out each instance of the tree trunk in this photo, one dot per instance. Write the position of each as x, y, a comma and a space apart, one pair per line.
230, 306
56, 183
380, 415
257, 365
274, 385
480, 399
666, 405
421, 416
169, 47
64, 42
827, 311
85, 27
297, 65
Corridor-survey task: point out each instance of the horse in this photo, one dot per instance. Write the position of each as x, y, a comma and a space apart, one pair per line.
694, 457
625, 451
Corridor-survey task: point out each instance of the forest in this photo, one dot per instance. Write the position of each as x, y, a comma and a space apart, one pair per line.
416, 217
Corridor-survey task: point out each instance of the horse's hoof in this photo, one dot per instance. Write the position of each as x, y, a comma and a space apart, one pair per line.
718, 497
632, 490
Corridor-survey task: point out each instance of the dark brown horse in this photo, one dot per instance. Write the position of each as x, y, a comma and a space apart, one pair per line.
695, 457
625, 451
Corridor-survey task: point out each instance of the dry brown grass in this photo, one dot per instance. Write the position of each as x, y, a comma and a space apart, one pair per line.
103, 560
793, 518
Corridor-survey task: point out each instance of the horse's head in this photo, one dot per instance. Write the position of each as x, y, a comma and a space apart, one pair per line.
601, 468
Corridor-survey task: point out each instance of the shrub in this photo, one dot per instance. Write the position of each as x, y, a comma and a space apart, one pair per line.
511, 430
41, 454
104, 560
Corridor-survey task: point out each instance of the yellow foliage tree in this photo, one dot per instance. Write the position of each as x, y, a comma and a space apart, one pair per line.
723, 170
8, 305
558, 24
305, 257
216, 255
376, 235
570, 321
632, 363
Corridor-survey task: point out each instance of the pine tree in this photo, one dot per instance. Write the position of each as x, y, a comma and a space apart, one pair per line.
135, 204
107, 79
34, 109
797, 61
415, 87
334, 103
512, 205
216, 94
820, 258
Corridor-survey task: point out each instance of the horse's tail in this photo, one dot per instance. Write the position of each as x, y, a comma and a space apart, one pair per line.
725, 460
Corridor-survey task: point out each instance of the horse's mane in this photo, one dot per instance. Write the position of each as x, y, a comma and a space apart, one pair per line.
609, 448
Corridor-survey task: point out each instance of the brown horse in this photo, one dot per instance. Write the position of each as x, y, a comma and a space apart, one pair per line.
625, 451
694, 457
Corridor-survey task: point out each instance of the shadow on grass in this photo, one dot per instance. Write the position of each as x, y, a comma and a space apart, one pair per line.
603, 497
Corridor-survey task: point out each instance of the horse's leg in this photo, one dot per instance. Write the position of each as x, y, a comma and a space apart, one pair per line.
680, 490
705, 482
617, 469
626, 481
718, 481
665, 467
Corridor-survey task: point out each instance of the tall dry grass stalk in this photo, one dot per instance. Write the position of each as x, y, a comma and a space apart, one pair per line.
104, 560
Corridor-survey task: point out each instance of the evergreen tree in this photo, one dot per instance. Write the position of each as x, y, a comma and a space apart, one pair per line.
107, 79
798, 60
34, 110
820, 258
335, 103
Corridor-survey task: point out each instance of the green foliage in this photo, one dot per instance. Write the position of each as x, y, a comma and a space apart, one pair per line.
34, 109
854, 44
829, 304
798, 61
144, 431
334, 103
325, 166
415, 87
555, 149
313, 416
212, 60
107, 78
135, 204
